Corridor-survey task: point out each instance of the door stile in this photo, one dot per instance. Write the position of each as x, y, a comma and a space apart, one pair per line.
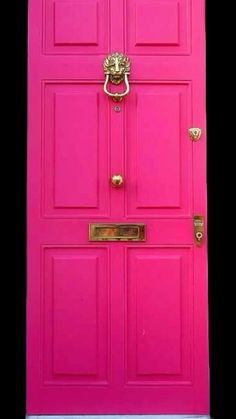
34, 163
117, 25
198, 119
116, 134
117, 166
117, 319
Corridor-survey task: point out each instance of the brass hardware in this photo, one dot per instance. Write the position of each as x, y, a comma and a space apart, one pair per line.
116, 66
116, 232
198, 225
195, 133
116, 180
116, 69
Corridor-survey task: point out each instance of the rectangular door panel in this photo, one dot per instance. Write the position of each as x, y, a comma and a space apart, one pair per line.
159, 163
75, 151
168, 29
159, 315
75, 27
76, 306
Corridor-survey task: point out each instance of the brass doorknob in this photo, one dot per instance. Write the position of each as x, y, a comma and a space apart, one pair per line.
116, 180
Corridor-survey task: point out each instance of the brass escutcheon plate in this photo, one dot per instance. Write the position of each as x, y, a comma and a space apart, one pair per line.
195, 133
198, 225
116, 232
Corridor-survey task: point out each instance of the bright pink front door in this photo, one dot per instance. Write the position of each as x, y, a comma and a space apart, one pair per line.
116, 327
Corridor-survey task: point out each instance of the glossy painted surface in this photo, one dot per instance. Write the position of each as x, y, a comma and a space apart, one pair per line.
112, 327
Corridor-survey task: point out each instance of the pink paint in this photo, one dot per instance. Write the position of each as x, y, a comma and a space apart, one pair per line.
116, 328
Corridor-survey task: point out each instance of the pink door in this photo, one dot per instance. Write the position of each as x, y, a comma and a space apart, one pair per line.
116, 326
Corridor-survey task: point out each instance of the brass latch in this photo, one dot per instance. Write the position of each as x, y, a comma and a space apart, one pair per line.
198, 225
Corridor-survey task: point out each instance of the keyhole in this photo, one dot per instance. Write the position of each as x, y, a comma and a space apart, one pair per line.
199, 235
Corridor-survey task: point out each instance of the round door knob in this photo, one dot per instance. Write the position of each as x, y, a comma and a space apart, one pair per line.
116, 180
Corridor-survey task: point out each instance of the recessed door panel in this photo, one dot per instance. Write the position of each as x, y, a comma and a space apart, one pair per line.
76, 310
167, 31
159, 316
75, 151
159, 162
75, 26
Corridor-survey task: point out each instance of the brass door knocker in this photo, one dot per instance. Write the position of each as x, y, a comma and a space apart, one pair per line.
116, 69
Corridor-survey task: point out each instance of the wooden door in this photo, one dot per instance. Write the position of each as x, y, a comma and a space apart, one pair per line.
116, 327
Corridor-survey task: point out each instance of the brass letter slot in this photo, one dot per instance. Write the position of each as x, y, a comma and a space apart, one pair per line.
117, 232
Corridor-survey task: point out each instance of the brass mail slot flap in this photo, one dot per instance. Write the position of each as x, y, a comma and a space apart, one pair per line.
117, 232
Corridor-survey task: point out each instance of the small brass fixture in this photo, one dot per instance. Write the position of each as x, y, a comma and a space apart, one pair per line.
116, 180
195, 133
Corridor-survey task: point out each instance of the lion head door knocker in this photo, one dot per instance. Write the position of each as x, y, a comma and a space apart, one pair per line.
116, 69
